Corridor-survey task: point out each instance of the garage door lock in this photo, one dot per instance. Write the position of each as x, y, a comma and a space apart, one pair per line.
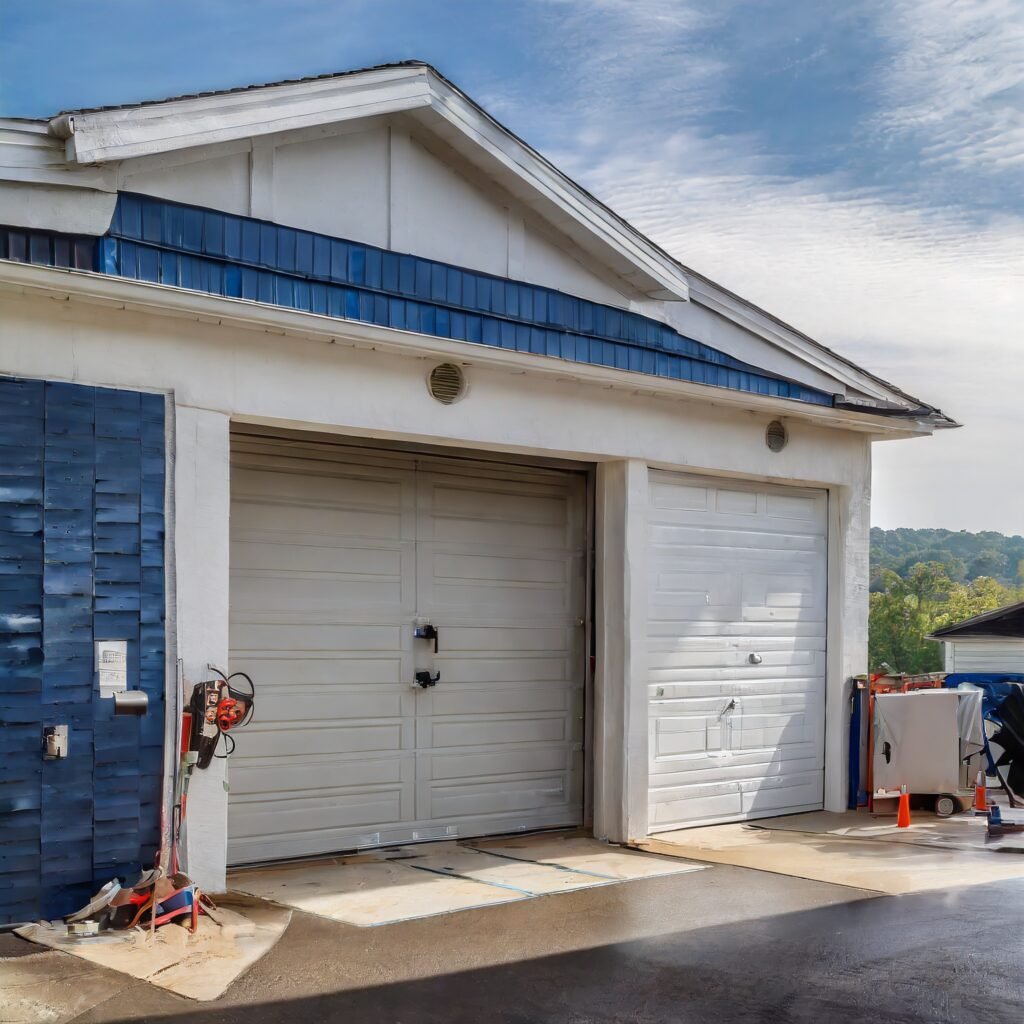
425, 679
425, 631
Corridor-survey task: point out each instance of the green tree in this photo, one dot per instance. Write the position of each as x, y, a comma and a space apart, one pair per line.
988, 562
904, 610
901, 615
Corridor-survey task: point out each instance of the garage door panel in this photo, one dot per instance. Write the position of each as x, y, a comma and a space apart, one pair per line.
493, 731
499, 597
739, 571
695, 733
694, 806
466, 566
794, 508
307, 776
271, 633
526, 639
774, 664
662, 626
313, 814
256, 521
331, 565
315, 595
279, 703
676, 772
292, 483
721, 689
326, 670
541, 669
472, 699
749, 537
276, 740
474, 797
318, 558
493, 765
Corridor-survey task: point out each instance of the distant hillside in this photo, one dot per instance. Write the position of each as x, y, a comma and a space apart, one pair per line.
964, 555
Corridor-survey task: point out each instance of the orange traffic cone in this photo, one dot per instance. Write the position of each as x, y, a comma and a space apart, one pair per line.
903, 817
980, 803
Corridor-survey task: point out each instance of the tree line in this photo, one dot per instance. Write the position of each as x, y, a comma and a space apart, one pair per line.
923, 580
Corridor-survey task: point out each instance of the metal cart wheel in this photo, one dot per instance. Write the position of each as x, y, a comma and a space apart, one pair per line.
946, 805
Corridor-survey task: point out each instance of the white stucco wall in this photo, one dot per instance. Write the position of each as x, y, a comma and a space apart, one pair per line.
219, 180
219, 374
375, 182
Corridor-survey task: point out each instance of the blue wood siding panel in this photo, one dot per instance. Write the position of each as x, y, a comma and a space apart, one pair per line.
81, 559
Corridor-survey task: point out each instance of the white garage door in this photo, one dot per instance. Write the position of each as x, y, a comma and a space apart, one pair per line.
334, 556
736, 665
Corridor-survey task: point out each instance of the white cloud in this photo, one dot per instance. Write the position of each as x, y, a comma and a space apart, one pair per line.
928, 298
931, 297
956, 79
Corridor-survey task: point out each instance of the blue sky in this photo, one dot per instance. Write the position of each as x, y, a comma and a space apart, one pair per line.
856, 168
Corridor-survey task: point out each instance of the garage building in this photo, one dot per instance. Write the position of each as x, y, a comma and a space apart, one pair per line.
515, 521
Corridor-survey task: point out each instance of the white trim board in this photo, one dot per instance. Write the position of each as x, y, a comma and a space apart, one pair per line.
163, 300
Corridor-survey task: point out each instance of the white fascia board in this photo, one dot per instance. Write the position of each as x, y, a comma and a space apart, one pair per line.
140, 131
666, 279
30, 154
45, 207
706, 293
163, 300
121, 134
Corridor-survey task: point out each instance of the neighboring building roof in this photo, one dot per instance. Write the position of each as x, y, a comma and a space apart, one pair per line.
94, 137
1002, 622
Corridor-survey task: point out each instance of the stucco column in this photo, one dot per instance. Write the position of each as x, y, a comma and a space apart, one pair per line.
847, 636
202, 507
620, 685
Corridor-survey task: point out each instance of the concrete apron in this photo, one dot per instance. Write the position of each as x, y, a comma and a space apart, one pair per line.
200, 966
854, 850
406, 883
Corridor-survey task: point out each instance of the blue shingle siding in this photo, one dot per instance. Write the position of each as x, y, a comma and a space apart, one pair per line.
81, 559
239, 257
48, 249
222, 254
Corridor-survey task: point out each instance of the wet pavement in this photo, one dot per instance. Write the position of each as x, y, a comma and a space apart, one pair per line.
724, 945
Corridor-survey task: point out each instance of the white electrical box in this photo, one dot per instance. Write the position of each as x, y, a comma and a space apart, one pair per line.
112, 666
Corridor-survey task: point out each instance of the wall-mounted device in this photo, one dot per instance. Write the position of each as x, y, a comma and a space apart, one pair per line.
112, 666
131, 702
55, 742
217, 707
112, 670
426, 679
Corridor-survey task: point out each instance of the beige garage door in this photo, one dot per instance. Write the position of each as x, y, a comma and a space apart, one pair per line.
736, 650
335, 555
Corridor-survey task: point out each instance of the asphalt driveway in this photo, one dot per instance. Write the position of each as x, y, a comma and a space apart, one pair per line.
725, 945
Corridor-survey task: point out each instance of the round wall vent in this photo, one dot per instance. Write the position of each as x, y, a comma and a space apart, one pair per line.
446, 383
776, 436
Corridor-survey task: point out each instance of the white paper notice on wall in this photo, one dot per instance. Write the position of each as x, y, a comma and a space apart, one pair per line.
112, 666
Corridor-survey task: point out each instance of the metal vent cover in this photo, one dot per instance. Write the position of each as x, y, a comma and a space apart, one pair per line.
446, 383
776, 436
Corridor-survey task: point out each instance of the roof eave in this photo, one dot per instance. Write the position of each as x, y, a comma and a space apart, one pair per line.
164, 300
102, 136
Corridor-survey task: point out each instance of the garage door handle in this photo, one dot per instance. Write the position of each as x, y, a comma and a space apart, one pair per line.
427, 632
425, 679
